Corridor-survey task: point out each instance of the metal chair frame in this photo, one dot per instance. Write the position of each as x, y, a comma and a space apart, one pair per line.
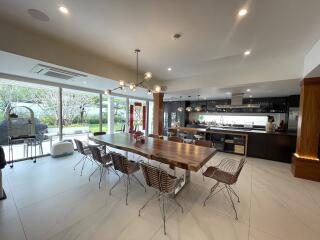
126, 176
86, 156
229, 166
161, 195
103, 167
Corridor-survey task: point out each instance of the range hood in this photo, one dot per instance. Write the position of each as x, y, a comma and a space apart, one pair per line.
237, 102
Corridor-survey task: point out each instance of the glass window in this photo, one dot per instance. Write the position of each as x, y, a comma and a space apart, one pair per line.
150, 123
120, 109
105, 106
44, 105
137, 115
80, 114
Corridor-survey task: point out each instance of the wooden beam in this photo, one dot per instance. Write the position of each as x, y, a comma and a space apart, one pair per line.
306, 162
158, 113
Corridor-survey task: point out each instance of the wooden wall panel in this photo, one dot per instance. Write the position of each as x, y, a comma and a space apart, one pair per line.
158, 113
306, 162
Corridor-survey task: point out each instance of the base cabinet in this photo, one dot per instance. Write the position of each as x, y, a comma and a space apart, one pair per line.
277, 147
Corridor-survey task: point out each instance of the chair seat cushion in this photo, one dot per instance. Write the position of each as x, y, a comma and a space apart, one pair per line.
219, 175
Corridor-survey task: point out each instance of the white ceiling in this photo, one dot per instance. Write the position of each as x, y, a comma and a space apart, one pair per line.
18, 66
210, 53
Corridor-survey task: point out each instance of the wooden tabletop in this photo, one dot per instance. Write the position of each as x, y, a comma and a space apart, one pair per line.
182, 155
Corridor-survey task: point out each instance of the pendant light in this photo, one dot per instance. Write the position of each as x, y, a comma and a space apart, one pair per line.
180, 109
198, 108
189, 109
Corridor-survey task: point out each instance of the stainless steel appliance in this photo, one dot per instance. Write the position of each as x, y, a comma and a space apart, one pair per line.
293, 119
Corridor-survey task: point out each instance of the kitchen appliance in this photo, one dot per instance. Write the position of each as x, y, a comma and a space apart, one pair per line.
293, 119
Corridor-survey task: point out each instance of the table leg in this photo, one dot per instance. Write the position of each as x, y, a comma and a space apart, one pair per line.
186, 181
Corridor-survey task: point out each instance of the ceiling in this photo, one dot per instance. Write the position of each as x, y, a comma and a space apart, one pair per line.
210, 53
13, 67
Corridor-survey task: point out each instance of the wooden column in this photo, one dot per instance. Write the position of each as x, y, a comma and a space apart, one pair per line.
305, 162
158, 113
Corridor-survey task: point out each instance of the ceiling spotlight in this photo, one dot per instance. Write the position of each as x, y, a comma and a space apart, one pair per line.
149, 92
132, 86
169, 69
248, 90
250, 96
247, 53
64, 10
176, 36
157, 89
242, 12
147, 75
121, 82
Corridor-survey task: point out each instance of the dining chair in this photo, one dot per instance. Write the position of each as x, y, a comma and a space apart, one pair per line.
203, 143
99, 133
103, 161
154, 136
128, 169
175, 139
165, 186
226, 173
84, 151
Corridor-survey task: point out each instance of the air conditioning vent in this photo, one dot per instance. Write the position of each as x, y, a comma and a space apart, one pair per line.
57, 75
54, 72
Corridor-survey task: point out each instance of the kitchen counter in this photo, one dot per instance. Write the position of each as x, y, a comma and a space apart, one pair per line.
227, 129
277, 146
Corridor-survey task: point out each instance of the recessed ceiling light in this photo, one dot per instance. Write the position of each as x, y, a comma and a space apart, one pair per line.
228, 93
169, 69
250, 96
242, 12
247, 53
64, 10
248, 90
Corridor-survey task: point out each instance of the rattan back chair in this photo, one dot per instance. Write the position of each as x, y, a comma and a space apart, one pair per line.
165, 186
225, 173
102, 159
128, 169
203, 143
154, 136
85, 152
175, 139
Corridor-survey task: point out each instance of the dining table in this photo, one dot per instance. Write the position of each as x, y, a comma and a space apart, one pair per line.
188, 157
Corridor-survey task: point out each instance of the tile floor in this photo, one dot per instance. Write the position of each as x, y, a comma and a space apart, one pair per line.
49, 200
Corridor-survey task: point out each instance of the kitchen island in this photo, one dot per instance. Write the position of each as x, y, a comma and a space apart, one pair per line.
276, 146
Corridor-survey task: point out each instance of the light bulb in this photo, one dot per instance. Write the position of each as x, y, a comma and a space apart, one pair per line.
157, 89
132, 86
147, 75
121, 82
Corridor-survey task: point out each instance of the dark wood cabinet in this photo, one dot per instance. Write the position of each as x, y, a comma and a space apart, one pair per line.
277, 147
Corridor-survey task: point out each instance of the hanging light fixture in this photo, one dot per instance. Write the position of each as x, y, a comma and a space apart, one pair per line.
198, 108
180, 109
134, 84
189, 109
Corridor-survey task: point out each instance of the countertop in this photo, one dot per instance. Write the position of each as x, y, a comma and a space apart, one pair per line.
222, 129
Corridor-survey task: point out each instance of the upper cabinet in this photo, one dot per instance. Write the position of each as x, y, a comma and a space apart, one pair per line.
267, 105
